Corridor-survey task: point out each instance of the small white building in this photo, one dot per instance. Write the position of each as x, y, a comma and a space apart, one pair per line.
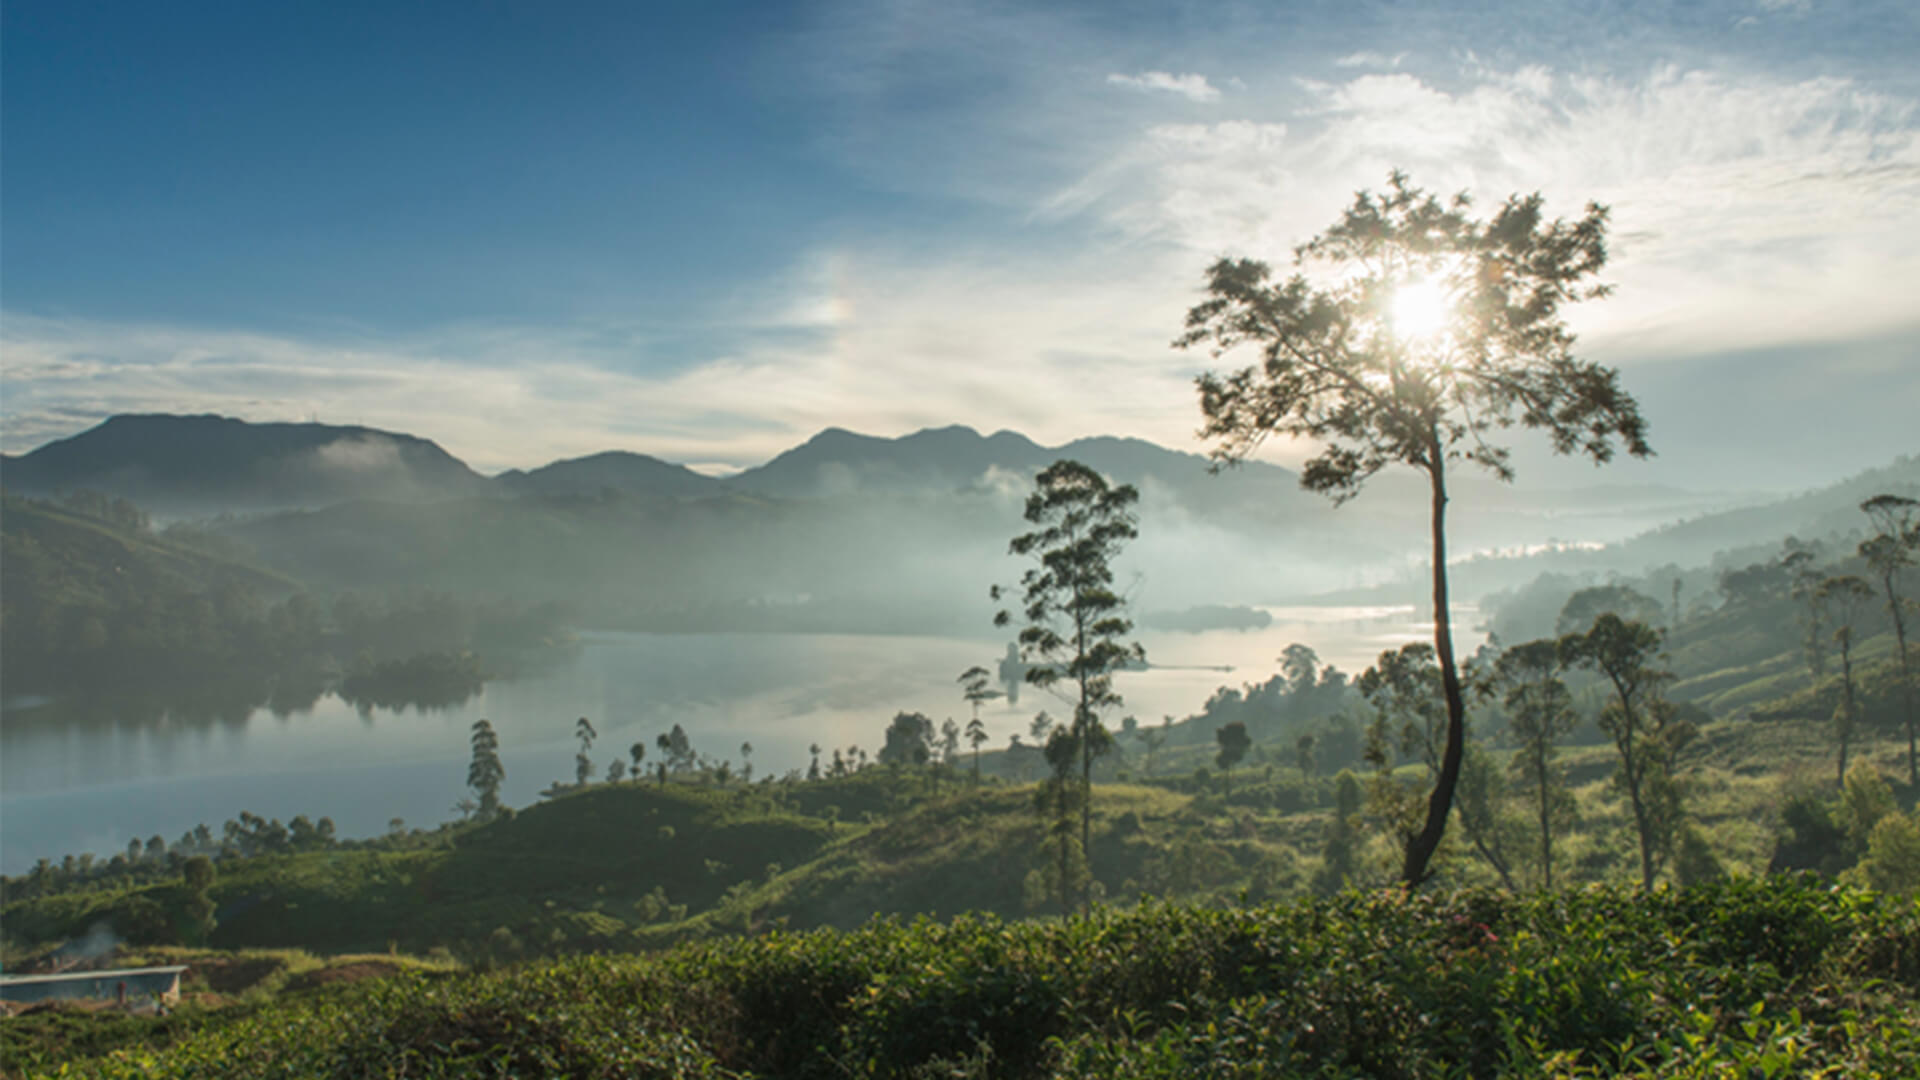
127, 986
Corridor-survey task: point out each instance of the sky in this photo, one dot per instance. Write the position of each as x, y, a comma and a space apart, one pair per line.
705, 231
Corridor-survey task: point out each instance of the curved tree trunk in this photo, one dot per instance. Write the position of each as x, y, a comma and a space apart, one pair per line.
1439, 804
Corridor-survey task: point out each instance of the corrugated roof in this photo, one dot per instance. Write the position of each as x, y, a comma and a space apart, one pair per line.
76, 976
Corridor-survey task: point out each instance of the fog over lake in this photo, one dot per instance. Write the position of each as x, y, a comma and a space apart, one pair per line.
82, 777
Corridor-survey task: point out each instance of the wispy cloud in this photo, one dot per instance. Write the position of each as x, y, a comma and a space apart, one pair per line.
1368, 59
1192, 87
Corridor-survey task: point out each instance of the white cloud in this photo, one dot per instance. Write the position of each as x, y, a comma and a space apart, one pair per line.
1192, 87
1747, 210
1365, 58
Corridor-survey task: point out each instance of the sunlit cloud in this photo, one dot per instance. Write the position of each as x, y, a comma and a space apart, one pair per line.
1192, 87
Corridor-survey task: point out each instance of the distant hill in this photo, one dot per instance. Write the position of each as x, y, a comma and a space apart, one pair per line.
77, 590
619, 470
956, 459
210, 464
1817, 514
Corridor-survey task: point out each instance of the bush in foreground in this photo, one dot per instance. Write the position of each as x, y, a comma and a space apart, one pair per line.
1761, 978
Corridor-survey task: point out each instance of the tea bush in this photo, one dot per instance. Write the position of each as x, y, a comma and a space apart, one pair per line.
1740, 978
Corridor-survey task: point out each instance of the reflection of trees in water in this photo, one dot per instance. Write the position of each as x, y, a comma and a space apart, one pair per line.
427, 681
213, 703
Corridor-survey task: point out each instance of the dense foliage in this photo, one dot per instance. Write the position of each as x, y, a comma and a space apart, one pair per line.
1775, 978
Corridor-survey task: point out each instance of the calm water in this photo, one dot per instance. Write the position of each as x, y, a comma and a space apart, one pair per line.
74, 780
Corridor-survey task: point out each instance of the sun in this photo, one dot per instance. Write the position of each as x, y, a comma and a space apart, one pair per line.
1420, 310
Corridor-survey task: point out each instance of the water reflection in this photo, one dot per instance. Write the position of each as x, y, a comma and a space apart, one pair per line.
87, 772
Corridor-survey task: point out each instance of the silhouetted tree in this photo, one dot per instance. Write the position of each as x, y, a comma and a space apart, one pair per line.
582, 764
1889, 551
813, 769
976, 735
909, 740
976, 686
1234, 744
637, 753
485, 773
616, 770
1337, 367
746, 763
1074, 629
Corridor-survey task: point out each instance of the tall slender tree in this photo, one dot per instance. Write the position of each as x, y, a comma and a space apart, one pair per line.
1074, 623
1802, 562
976, 735
582, 763
485, 773
1841, 598
1432, 331
1889, 551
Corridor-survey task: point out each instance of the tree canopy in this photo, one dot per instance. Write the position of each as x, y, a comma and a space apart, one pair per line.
1348, 361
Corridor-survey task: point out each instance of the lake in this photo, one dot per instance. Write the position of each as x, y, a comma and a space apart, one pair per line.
77, 777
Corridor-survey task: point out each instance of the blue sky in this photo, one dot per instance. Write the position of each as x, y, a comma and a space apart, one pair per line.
707, 230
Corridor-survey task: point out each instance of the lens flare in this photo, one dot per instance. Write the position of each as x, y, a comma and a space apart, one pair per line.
1420, 310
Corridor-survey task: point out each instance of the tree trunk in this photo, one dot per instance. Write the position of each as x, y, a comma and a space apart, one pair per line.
1546, 814
1629, 724
1906, 679
1085, 717
1440, 804
1846, 681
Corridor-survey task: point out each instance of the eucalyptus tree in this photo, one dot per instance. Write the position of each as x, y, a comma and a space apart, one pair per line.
1539, 713
1841, 599
949, 744
1889, 551
976, 686
1640, 723
1429, 331
582, 763
1074, 627
485, 773
976, 735
638, 753
1802, 562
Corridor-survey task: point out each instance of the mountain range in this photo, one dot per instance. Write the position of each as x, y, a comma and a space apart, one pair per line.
190, 465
